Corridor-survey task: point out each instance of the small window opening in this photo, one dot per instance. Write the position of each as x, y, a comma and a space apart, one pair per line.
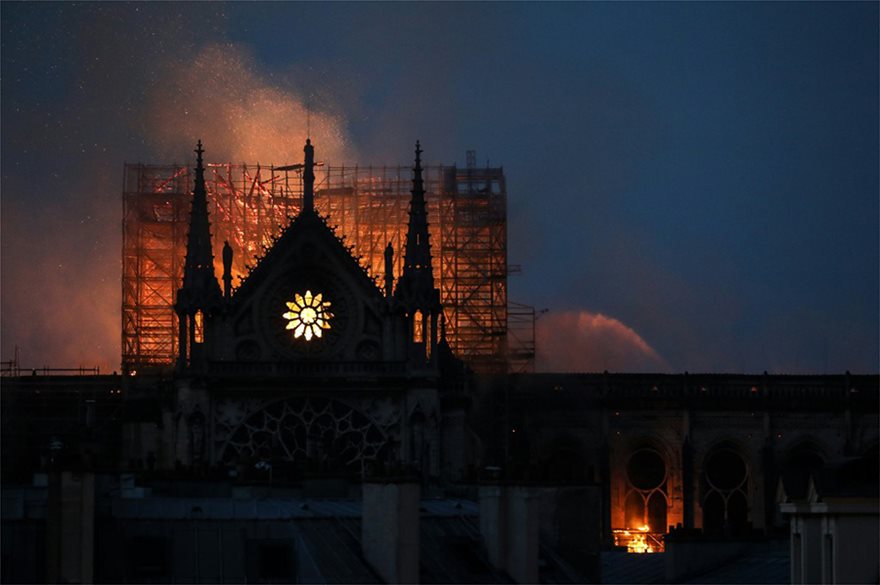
199, 328
418, 328
427, 349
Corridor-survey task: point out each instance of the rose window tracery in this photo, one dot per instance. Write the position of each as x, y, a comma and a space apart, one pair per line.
308, 315
328, 432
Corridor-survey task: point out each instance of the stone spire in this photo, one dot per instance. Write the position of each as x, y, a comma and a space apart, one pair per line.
200, 288
309, 177
417, 261
415, 292
200, 295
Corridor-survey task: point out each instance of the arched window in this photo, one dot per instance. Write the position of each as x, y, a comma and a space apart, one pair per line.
804, 458
196, 423
199, 327
646, 498
795, 468
725, 493
418, 327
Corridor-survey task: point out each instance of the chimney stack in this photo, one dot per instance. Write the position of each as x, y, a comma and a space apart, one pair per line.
70, 528
390, 529
509, 527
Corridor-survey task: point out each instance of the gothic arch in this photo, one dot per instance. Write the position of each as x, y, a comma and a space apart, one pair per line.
196, 427
647, 489
725, 479
646, 468
806, 452
653, 441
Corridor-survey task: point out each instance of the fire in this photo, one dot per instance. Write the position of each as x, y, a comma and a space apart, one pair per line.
250, 206
639, 543
638, 540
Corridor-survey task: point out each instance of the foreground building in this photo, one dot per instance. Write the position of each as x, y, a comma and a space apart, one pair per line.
318, 425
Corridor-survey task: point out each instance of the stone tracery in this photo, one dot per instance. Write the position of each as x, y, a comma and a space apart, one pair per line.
331, 433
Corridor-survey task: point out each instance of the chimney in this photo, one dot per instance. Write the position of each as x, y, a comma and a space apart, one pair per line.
493, 523
509, 527
70, 528
390, 529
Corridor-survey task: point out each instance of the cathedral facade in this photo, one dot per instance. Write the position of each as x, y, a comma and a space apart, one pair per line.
308, 364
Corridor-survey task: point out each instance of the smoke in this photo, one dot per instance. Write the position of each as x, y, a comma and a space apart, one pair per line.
240, 114
61, 269
157, 81
581, 341
596, 143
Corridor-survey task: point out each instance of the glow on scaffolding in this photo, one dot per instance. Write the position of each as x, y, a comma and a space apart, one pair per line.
249, 205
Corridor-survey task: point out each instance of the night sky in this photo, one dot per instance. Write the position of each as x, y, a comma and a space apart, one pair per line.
692, 186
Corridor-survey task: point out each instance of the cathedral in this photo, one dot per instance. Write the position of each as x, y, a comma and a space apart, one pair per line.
317, 426
308, 363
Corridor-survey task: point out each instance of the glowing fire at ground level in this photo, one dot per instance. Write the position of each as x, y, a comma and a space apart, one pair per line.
639, 540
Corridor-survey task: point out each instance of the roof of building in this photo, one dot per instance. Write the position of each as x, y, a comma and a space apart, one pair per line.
768, 566
334, 546
623, 567
849, 478
168, 508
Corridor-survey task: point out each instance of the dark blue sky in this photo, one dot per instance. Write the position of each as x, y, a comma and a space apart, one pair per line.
692, 186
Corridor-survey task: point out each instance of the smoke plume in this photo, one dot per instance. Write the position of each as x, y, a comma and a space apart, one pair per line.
145, 93
241, 116
581, 341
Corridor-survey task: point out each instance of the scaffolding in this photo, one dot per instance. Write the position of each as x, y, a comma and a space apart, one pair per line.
520, 338
250, 205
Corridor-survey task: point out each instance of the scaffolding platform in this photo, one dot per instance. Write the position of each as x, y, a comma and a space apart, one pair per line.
250, 205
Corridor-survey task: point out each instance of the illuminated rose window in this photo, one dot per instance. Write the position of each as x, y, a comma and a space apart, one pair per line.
308, 315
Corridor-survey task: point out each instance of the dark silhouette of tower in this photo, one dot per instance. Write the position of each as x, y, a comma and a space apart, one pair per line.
415, 292
200, 293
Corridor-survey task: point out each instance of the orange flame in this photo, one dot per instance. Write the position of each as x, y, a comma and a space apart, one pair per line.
639, 540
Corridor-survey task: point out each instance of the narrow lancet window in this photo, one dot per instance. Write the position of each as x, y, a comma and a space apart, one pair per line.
198, 327
418, 327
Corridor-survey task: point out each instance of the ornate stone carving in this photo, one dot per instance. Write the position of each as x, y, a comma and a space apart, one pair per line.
331, 433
